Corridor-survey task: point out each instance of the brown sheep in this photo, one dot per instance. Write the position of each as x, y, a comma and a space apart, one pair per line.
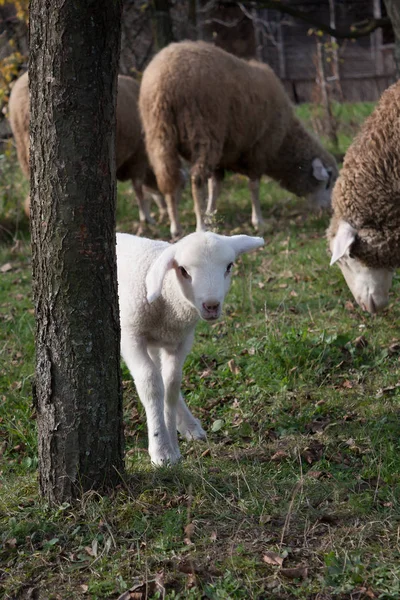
364, 233
220, 112
131, 159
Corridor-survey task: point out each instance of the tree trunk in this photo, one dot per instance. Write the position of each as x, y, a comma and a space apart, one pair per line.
162, 23
74, 48
393, 11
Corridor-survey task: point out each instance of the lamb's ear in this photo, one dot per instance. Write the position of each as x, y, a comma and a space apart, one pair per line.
157, 272
245, 243
345, 236
320, 172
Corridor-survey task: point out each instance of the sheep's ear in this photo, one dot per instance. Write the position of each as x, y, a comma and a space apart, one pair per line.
157, 272
319, 170
345, 236
245, 243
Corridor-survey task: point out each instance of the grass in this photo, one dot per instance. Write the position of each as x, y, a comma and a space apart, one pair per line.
299, 393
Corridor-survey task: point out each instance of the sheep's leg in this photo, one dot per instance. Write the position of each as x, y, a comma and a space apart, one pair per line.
188, 426
150, 388
172, 208
162, 206
256, 216
199, 201
172, 364
214, 188
143, 204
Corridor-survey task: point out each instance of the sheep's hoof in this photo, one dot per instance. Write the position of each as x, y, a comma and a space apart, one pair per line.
144, 228
141, 230
259, 226
175, 237
162, 217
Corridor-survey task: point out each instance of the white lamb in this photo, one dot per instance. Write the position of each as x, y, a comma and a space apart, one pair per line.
164, 289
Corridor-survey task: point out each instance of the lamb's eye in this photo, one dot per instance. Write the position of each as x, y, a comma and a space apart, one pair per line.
229, 267
184, 273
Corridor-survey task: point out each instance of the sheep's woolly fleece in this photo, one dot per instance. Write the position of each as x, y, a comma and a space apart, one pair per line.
220, 111
131, 158
367, 193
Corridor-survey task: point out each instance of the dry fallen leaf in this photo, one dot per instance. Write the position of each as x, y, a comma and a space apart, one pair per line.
265, 519
347, 384
315, 474
191, 580
5, 268
386, 390
233, 367
280, 455
206, 373
313, 452
299, 572
189, 531
360, 342
349, 306
394, 348
141, 590
272, 558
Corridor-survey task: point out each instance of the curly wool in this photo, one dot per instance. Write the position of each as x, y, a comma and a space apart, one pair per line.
221, 112
367, 192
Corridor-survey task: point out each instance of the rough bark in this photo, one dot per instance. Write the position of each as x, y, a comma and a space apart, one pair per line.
393, 11
74, 49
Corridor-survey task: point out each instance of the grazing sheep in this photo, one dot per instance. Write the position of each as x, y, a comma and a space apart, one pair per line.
131, 159
164, 289
364, 233
220, 112
18, 108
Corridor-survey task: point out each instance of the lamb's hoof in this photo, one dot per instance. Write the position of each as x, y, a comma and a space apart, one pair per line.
193, 432
165, 458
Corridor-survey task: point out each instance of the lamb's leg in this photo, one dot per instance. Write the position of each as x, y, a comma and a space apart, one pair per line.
199, 201
143, 204
256, 216
172, 364
150, 388
172, 208
214, 188
188, 426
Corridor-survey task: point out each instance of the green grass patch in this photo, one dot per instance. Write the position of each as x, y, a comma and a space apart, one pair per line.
299, 393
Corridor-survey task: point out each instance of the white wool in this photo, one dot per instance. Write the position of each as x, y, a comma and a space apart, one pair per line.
164, 289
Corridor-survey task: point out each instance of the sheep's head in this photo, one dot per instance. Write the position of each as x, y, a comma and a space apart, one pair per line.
323, 176
369, 285
202, 262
